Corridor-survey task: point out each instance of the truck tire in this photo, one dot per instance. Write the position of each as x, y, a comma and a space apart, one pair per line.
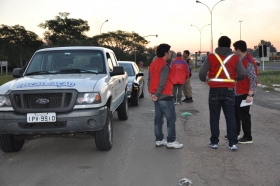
8, 143
135, 100
104, 137
123, 109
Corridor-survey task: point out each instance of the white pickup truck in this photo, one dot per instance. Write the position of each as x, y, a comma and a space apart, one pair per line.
63, 92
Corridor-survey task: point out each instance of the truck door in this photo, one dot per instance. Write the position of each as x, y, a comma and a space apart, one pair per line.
114, 85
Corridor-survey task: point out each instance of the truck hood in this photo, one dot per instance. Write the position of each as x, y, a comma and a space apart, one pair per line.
80, 82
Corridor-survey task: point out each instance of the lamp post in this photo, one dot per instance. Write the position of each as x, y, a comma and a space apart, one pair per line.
211, 11
135, 50
240, 28
200, 30
102, 25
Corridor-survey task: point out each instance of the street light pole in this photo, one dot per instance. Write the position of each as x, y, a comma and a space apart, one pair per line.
200, 30
211, 20
102, 25
135, 50
240, 28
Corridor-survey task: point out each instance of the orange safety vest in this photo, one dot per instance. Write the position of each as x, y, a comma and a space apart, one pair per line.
154, 70
242, 87
222, 71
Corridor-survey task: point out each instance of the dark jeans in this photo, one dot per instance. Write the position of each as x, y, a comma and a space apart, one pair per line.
222, 98
243, 117
167, 109
177, 92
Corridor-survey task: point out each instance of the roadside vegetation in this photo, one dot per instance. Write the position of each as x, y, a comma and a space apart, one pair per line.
5, 78
269, 77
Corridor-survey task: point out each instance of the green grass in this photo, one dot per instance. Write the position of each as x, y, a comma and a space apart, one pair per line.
5, 78
269, 77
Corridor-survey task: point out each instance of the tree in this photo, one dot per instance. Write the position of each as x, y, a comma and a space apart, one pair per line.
150, 53
123, 44
263, 42
64, 31
18, 44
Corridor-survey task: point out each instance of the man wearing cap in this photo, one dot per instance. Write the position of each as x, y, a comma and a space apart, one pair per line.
180, 73
160, 88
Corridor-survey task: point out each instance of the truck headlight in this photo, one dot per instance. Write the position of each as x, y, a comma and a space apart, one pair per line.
129, 87
5, 101
88, 98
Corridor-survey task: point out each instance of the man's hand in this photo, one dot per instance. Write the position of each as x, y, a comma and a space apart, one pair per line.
154, 98
206, 81
249, 99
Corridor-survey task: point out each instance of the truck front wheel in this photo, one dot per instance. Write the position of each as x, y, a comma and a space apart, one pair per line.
104, 137
8, 143
123, 109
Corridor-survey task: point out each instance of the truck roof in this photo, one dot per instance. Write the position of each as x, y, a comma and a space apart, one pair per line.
75, 48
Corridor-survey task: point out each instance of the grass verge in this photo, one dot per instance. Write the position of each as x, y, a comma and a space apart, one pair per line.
5, 78
269, 77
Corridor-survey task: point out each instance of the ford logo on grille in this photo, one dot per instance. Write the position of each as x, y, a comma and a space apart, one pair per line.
42, 101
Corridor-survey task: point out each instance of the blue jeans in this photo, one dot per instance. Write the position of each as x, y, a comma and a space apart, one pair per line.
167, 109
222, 98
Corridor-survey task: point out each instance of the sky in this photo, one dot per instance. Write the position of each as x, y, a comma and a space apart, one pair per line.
170, 20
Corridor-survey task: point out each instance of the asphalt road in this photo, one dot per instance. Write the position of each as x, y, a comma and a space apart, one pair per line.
135, 161
270, 66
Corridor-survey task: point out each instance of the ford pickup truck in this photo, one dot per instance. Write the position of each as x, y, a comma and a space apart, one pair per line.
64, 92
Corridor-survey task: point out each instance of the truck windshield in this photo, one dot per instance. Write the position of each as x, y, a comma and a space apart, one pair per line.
62, 61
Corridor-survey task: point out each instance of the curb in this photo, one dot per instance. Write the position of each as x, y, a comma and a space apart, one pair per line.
273, 87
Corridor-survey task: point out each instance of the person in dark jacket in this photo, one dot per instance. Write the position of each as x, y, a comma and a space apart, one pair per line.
187, 88
220, 70
160, 89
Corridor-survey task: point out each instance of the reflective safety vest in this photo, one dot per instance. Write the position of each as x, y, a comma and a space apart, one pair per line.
222, 70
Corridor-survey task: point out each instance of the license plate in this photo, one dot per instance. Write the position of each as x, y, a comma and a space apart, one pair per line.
41, 117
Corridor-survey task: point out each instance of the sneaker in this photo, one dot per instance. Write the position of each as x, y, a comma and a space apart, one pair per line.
244, 141
189, 100
213, 146
174, 145
180, 102
233, 148
161, 143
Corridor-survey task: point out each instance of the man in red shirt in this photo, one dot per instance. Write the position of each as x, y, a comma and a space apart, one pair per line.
160, 89
223, 68
245, 90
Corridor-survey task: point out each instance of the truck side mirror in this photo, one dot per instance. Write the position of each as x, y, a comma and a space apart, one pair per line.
117, 70
140, 74
17, 72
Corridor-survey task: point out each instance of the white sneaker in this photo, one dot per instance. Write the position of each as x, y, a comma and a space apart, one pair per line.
161, 143
174, 145
233, 148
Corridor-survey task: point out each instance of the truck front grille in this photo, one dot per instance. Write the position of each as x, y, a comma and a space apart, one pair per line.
49, 101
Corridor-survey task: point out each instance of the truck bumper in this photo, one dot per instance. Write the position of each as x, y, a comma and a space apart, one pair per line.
76, 121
